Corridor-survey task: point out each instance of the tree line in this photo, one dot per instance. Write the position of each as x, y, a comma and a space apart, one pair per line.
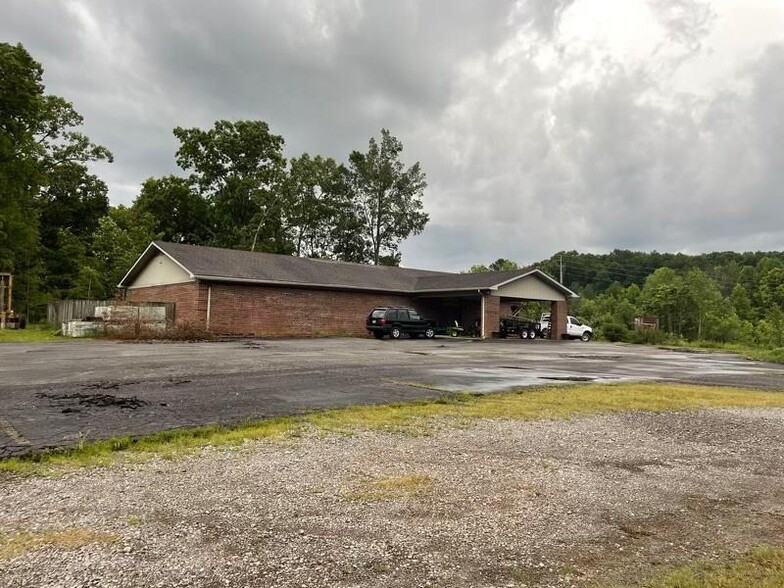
723, 297
61, 237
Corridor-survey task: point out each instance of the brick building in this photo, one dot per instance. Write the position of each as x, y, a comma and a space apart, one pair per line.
235, 292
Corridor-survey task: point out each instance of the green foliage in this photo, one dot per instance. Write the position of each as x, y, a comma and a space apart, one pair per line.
121, 236
387, 197
499, 265
320, 216
49, 203
615, 332
238, 167
179, 213
717, 298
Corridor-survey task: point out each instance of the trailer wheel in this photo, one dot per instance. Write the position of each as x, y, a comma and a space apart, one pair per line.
524, 334
532, 334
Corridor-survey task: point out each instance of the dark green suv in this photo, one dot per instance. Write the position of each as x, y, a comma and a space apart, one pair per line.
397, 320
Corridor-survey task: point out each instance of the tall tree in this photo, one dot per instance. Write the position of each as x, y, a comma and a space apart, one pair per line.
319, 216
703, 299
21, 94
499, 265
239, 168
388, 197
181, 215
42, 161
663, 296
71, 206
122, 235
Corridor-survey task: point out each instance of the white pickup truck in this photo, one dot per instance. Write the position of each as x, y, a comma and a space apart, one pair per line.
575, 329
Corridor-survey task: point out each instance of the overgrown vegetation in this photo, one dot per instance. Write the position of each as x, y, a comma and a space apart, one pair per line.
727, 298
138, 331
390, 487
762, 567
16, 543
410, 418
31, 334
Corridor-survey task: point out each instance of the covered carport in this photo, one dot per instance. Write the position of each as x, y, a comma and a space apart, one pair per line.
478, 301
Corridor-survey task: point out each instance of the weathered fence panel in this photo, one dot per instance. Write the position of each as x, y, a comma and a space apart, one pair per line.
63, 311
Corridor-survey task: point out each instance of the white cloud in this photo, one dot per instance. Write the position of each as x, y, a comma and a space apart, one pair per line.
542, 125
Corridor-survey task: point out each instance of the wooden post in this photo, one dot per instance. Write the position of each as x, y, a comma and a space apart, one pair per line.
6, 298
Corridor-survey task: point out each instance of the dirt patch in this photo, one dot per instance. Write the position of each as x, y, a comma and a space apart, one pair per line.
498, 503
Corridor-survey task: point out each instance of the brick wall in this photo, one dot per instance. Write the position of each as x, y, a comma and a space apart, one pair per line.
189, 299
279, 312
558, 312
492, 315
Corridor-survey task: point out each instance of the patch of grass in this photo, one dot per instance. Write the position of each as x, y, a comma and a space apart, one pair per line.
32, 334
391, 488
21, 542
770, 355
415, 417
762, 567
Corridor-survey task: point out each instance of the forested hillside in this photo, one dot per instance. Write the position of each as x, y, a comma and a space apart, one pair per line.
722, 297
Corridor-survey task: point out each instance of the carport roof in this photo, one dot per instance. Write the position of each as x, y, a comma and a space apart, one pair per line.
231, 265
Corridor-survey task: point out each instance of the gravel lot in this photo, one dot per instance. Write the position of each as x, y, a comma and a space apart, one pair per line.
496, 503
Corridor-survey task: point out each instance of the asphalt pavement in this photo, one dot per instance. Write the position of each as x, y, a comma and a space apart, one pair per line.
58, 394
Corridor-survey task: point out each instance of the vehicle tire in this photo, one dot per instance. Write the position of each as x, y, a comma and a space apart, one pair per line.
532, 334
545, 333
395, 333
586, 336
378, 334
454, 333
524, 334
430, 332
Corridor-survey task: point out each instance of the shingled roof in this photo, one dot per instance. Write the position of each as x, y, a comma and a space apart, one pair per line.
232, 265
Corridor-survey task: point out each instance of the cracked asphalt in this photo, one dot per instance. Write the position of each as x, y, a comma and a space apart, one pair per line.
58, 394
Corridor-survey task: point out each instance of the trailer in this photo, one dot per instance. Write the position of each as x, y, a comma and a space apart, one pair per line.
520, 326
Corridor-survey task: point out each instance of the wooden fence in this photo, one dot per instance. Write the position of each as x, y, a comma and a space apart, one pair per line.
63, 311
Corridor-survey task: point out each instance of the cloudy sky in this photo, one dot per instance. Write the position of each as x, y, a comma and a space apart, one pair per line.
542, 125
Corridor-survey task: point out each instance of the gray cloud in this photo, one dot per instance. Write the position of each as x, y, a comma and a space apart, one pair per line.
531, 143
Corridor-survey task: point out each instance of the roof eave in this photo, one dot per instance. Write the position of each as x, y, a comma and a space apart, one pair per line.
227, 279
466, 289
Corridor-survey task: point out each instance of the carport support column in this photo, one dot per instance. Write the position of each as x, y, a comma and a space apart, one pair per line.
491, 314
558, 312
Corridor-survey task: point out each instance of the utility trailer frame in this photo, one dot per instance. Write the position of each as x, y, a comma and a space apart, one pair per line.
515, 325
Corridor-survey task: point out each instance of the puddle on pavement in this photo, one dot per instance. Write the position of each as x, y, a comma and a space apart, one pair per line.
505, 378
